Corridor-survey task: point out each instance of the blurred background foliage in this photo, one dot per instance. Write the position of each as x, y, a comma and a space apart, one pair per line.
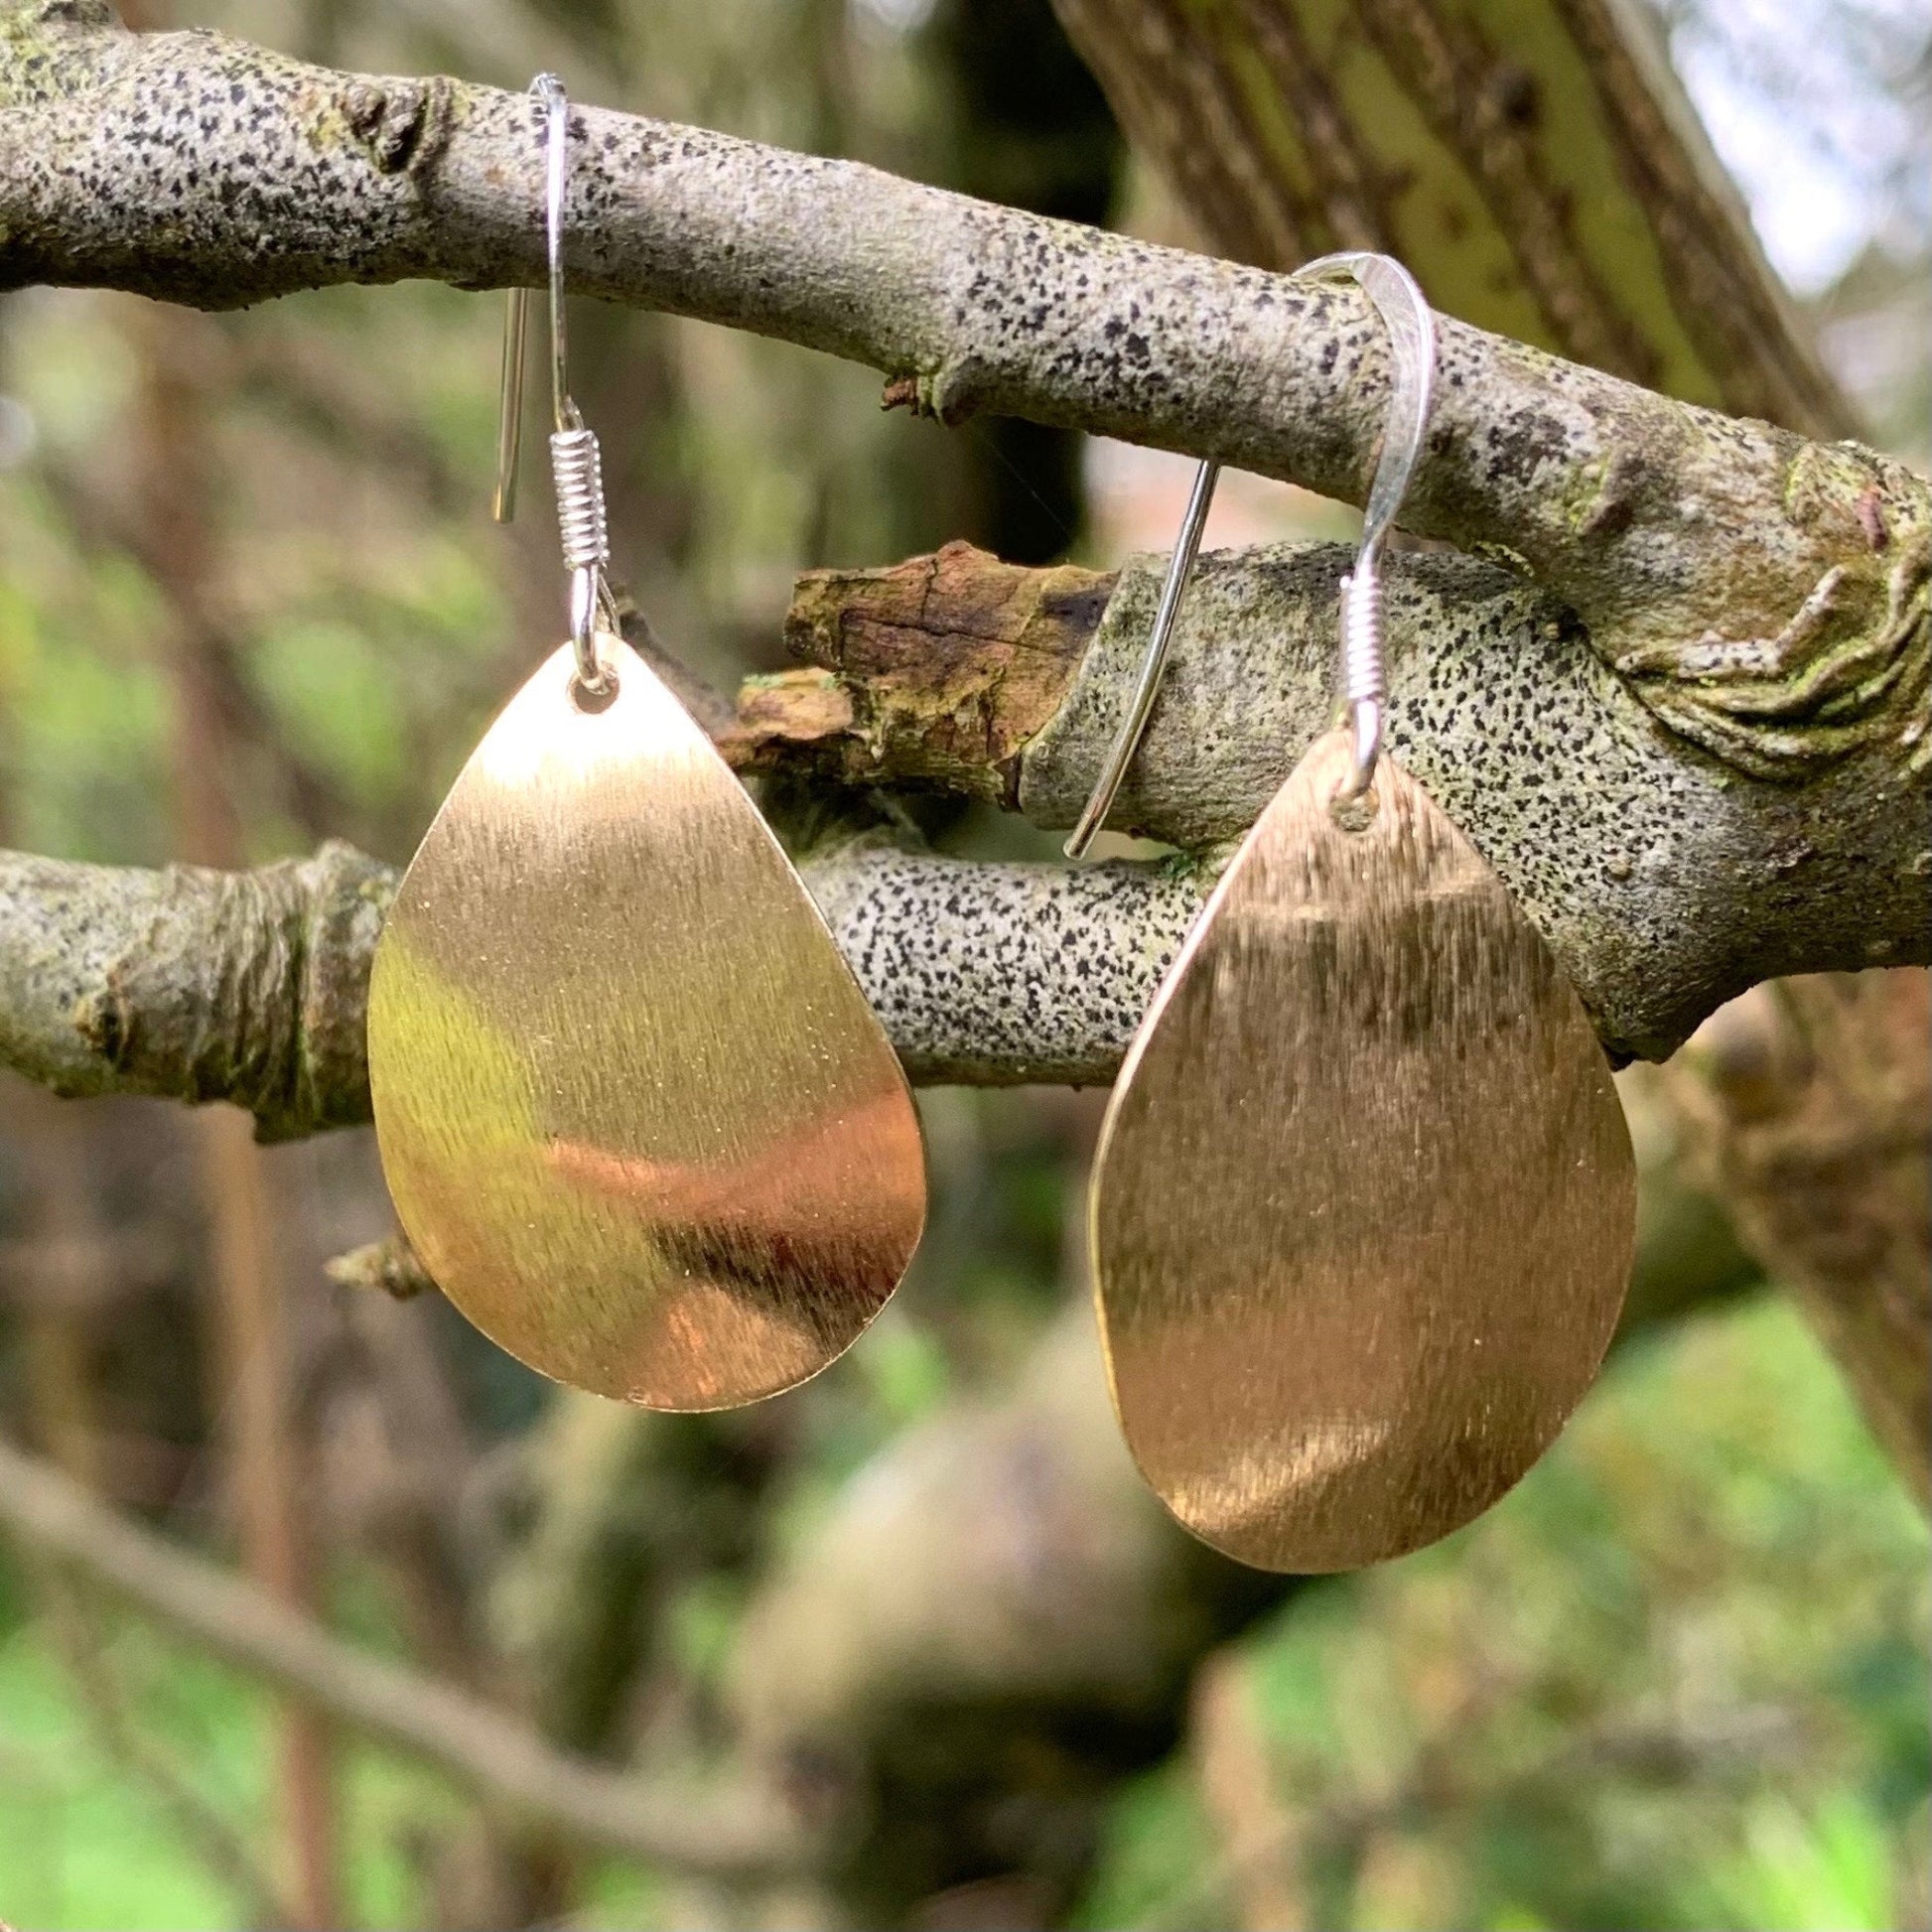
250, 599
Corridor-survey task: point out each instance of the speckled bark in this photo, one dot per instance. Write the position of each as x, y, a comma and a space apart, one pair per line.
1664, 879
251, 986
1766, 596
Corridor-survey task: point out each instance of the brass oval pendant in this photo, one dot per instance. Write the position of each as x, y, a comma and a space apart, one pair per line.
636, 1116
1364, 1205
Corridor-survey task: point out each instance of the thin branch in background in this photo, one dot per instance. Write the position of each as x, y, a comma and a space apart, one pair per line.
66, 1277
214, 1838
741, 1835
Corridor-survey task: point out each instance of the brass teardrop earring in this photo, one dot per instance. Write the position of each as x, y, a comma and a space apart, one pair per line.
1363, 1207
636, 1116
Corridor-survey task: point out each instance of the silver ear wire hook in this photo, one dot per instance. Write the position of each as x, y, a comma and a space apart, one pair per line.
510, 406
1412, 335
1406, 314
1133, 726
575, 460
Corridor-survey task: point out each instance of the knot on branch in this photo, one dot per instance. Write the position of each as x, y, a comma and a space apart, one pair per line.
401, 124
1851, 669
247, 986
388, 1267
1834, 654
931, 673
947, 395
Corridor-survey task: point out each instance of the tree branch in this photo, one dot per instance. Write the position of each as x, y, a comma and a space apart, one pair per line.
1742, 575
1696, 748
196, 984
251, 986
1664, 880
490, 1753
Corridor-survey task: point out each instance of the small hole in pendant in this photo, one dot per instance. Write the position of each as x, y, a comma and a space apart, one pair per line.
1356, 814
592, 698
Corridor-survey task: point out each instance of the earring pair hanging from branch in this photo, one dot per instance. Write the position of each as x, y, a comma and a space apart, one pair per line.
1363, 1207
635, 1115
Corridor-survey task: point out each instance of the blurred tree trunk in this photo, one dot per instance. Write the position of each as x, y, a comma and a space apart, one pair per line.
1536, 164
1026, 127
1811, 1102
175, 523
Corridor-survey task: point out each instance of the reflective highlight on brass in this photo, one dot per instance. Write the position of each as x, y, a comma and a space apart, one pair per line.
1364, 1205
636, 1117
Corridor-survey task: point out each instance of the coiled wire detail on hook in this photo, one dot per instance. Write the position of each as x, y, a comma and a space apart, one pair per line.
1364, 683
578, 467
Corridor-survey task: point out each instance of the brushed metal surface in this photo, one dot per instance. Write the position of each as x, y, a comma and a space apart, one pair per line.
635, 1115
1364, 1205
